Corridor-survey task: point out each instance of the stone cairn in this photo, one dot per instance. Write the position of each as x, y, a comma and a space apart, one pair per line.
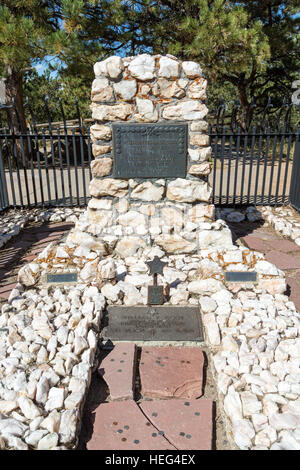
173, 213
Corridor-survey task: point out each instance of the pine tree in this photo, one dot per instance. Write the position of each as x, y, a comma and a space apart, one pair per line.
76, 32
249, 45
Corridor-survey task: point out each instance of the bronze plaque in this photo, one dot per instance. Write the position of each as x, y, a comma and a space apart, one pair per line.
240, 276
155, 295
153, 323
150, 150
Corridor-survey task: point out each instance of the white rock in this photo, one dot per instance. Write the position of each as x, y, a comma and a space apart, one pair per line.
111, 67
264, 267
191, 69
28, 408
68, 423
52, 422
55, 399
212, 328
126, 89
243, 433
204, 286
142, 67
42, 390
48, 442
168, 68
207, 304
233, 405
284, 420
35, 436
251, 404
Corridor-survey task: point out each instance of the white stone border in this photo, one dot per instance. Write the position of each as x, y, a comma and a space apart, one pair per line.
252, 331
14, 221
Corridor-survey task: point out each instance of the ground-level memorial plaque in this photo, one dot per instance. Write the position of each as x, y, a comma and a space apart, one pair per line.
153, 323
150, 150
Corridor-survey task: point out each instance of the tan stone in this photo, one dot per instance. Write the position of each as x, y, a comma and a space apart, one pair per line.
126, 89
168, 89
202, 140
191, 69
172, 216
199, 212
183, 190
101, 167
147, 111
146, 209
199, 126
108, 187
187, 110
100, 204
203, 169
168, 67
77, 237
100, 132
144, 89
99, 217
100, 149
215, 238
131, 218
273, 286
148, 192
128, 246
142, 67
102, 91
111, 67
111, 113
200, 155
122, 205
175, 244
197, 89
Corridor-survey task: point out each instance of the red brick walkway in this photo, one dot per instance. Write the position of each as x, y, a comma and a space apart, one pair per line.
25, 248
171, 414
284, 253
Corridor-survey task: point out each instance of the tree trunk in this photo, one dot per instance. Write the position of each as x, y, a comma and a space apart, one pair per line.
242, 89
14, 91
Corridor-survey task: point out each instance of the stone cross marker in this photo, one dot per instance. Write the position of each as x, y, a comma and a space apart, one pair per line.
155, 292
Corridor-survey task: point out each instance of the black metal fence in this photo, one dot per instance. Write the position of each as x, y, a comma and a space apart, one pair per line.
45, 165
253, 163
49, 165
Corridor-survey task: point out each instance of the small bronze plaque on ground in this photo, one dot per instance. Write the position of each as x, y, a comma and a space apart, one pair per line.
61, 278
153, 323
150, 150
240, 276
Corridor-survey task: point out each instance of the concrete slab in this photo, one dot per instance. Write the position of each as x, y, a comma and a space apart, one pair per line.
171, 372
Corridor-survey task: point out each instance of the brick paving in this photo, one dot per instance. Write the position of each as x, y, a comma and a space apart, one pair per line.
23, 249
285, 254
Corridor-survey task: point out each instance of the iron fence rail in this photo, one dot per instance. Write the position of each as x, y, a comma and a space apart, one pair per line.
252, 166
45, 169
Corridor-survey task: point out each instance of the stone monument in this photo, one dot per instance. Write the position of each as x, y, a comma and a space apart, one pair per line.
152, 159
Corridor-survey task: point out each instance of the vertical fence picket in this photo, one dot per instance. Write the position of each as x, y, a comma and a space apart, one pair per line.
46, 167
265, 165
30, 152
75, 164
61, 168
